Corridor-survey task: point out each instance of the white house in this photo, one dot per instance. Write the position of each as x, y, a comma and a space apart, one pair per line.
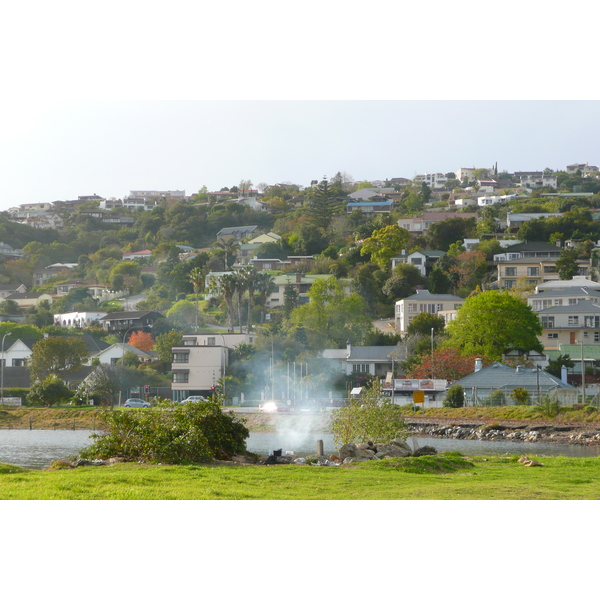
115, 354
424, 302
78, 319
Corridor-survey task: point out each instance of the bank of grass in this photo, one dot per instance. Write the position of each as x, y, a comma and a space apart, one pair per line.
447, 476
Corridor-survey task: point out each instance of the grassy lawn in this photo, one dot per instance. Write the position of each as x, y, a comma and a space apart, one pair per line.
447, 476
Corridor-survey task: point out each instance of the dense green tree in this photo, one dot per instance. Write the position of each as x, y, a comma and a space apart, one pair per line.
439, 282
331, 317
291, 300
493, 322
385, 243
423, 323
57, 356
443, 233
455, 397
49, 392
372, 417
323, 204
566, 265
165, 342
555, 366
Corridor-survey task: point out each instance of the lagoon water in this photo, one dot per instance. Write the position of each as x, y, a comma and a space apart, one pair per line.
36, 449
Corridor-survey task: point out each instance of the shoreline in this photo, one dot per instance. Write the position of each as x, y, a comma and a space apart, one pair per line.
482, 428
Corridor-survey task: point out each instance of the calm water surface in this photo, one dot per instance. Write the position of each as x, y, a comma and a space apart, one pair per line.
38, 448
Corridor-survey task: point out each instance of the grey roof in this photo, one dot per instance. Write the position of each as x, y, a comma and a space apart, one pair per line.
371, 353
427, 295
242, 229
499, 375
91, 343
534, 247
583, 306
572, 291
527, 260
132, 314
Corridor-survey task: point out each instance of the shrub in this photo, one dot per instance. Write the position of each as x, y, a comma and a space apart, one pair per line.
455, 397
520, 396
48, 392
548, 406
170, 433
372, 417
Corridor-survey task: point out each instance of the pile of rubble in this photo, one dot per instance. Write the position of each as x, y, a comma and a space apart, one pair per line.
352, 453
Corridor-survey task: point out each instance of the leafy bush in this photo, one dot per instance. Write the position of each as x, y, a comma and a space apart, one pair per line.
170, 433
372, 417
455, 397
520, 396
48, 392
548, 406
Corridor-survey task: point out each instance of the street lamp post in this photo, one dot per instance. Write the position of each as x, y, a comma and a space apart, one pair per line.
226, 354
2, 368
582, 374
432, 372
272, 360
122, 363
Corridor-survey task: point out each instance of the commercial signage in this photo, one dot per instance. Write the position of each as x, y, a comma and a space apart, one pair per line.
418, 396
11, 401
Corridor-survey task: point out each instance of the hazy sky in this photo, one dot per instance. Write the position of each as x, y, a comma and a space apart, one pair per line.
62, 150
141, 95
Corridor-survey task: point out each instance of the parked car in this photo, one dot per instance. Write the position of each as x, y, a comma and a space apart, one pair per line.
194, 399
137, 403
272, 406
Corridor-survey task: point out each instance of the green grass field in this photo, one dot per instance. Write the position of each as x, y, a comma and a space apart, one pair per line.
447, 476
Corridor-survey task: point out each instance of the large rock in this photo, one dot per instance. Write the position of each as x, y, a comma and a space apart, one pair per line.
384, 450
424, 451
401, 444
348, 451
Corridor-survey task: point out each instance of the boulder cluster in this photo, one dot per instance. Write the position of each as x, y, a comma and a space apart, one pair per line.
353, 453
520, 433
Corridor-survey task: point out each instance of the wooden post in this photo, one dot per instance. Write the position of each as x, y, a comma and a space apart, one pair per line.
320, 448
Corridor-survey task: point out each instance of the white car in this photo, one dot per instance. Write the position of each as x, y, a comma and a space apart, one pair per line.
193, 399
137, 403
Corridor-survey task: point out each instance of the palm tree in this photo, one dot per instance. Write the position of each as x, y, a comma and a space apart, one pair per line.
241, 287
197, 280
250, 276
264, 286
227, 285
227, 247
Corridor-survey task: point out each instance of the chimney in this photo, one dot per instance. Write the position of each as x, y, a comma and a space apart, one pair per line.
519, 369
478, 365
348, 349
563, 374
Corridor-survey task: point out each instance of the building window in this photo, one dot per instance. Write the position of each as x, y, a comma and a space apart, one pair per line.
533, 271
181, 377
18, 362
211, 341
440, 307
509, 283
510, 271
596, 336
553, 336
181, 357
363, 368
547, 322
573, 320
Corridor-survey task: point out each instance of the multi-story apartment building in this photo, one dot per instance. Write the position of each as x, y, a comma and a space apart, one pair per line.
425, 302
201, 361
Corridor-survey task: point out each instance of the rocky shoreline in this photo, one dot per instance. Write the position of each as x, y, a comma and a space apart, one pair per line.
549, 433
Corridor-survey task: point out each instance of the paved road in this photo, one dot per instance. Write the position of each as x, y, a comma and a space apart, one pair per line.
130, 302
